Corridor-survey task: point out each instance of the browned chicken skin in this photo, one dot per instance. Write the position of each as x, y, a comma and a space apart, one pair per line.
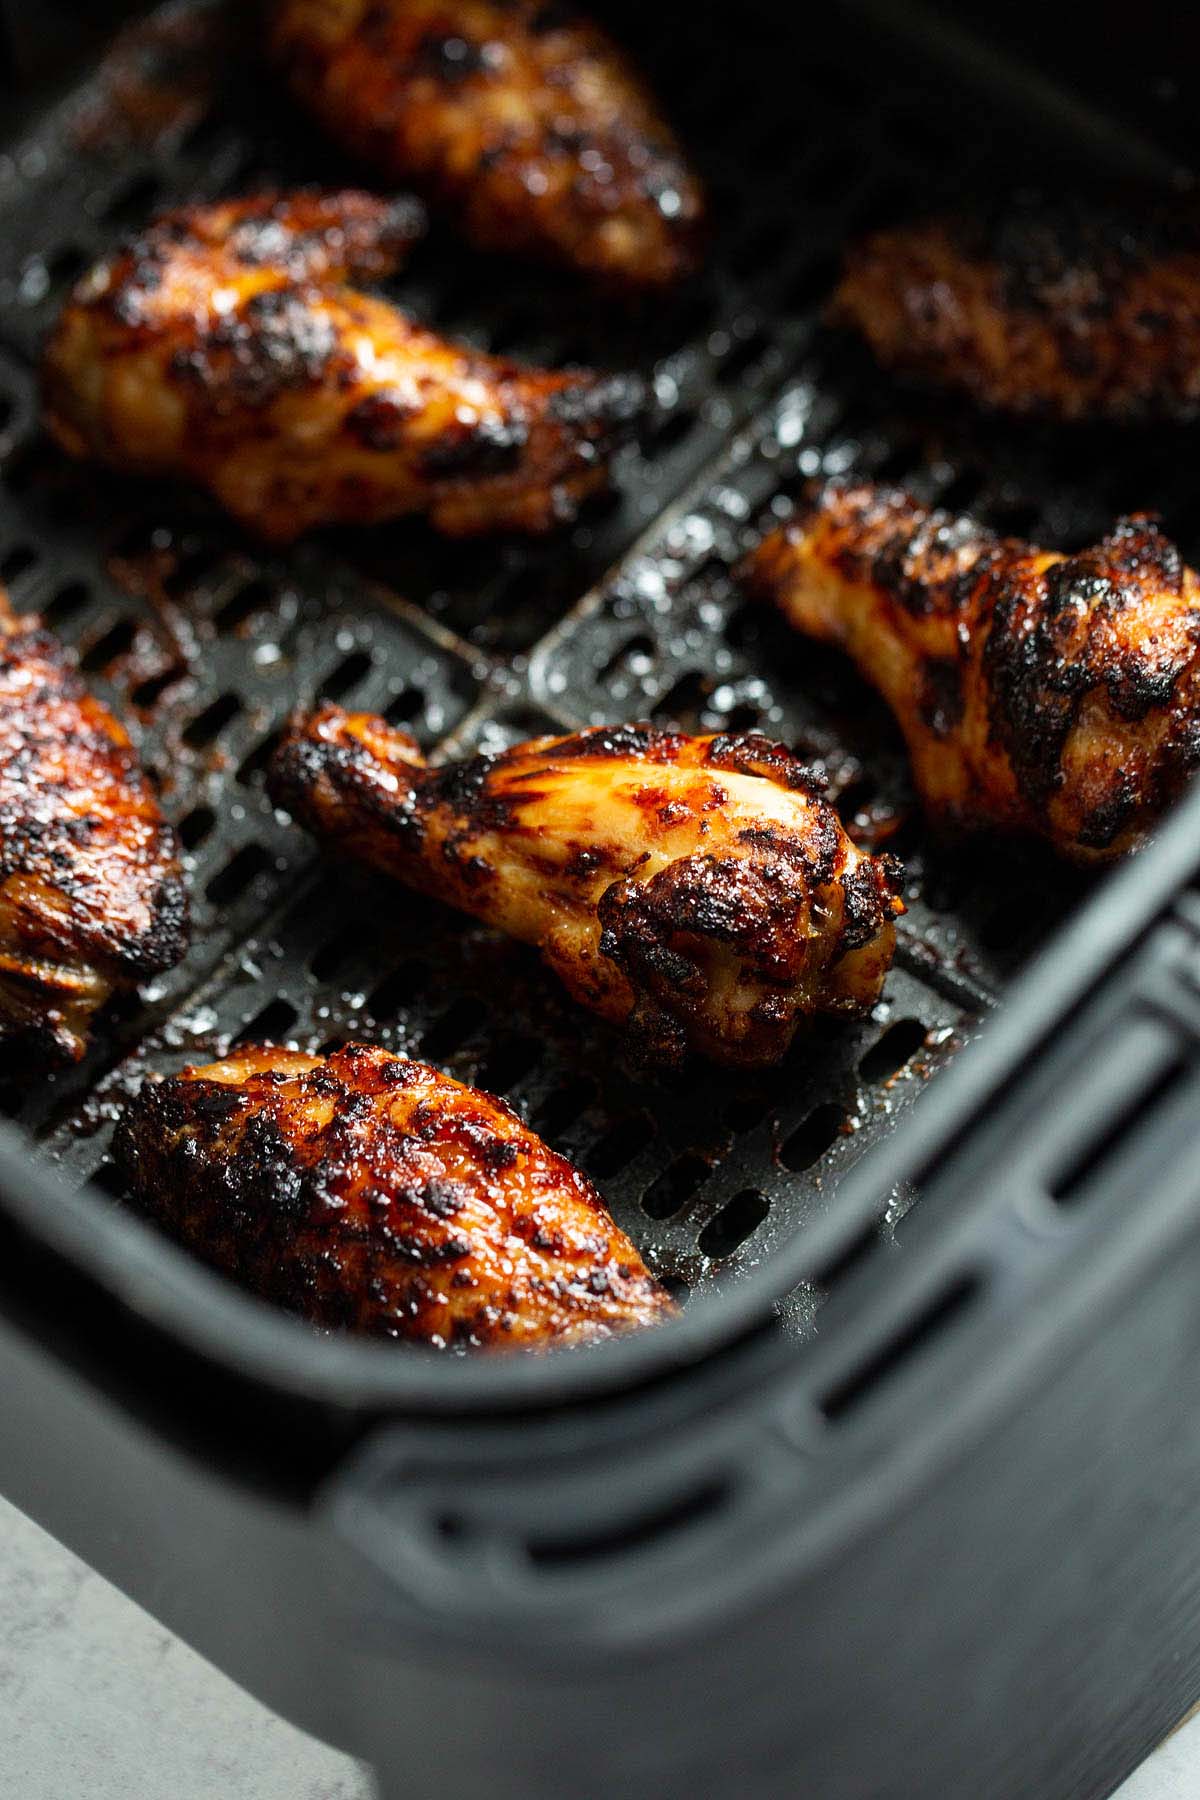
224, 346
1068, 312
1041, 693
696, 890
373, 1194
91, 894
520, 116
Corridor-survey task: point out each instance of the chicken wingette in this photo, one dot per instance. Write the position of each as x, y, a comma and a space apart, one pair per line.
696, 890
1041, 693
1067, 312
91, 891
224, 346
375, 1195
522, 118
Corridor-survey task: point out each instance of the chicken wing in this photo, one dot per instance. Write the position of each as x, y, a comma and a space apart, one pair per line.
1052, 694
697, 890
373, 1194
224, 346
91, 892
520, 116
1068, 312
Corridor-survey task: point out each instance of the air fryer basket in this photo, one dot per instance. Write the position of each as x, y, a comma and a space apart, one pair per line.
808, 130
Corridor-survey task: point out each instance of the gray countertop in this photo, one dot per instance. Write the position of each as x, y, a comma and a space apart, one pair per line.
98, 1702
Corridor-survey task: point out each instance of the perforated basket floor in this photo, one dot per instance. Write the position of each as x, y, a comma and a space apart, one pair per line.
806, 133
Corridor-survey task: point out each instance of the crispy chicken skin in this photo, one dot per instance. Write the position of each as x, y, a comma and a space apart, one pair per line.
695, 890
1058, 695
373, 1194
1069, 313
519, 116
223, 345
91, 893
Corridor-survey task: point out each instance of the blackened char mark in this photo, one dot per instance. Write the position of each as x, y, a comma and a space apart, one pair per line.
475, 448
750, 753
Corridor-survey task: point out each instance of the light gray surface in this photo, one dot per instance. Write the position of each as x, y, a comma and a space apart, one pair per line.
98, 1702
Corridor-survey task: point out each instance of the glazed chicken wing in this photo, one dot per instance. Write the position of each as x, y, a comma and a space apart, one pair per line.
373, 1194
1068, 312
91, 892
223, 345
521, 117
696, 890
1037, 692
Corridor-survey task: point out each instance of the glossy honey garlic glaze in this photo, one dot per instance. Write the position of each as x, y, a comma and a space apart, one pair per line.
223, 345
1042, 693
696, 890
91, 890
1070, 311
520, 116
373, 1194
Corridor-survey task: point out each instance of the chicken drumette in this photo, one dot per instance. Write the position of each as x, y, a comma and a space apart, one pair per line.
91, 892
1037, 692
1068, 311
521, 117
697, 890
223, 345
373, 1194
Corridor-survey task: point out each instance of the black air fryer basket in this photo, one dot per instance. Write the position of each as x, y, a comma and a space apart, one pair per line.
906, 1502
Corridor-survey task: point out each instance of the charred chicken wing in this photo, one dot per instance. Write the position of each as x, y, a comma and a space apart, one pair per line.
91, 893
521, 117
223, 345
1070, 312
376, 1195
697, 890
1037, 692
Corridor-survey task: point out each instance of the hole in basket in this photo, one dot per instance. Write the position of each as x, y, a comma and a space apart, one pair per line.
451, 1031
676, 1185
196, 826
253, 766
404, 707
1070, 1185
231, 882
133, 201
737, 1220
620, 1144
678, 1515
326, 961
891, 1356
271, 1025
399, 989
683, 703
564, 1105
507, 1063
67, 264
675, 428
16, 561
811, 1139
739, 362
256, 597
898, 1045
32, 465
67, 602
349, 672
212, 721
148, 693
115, 642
